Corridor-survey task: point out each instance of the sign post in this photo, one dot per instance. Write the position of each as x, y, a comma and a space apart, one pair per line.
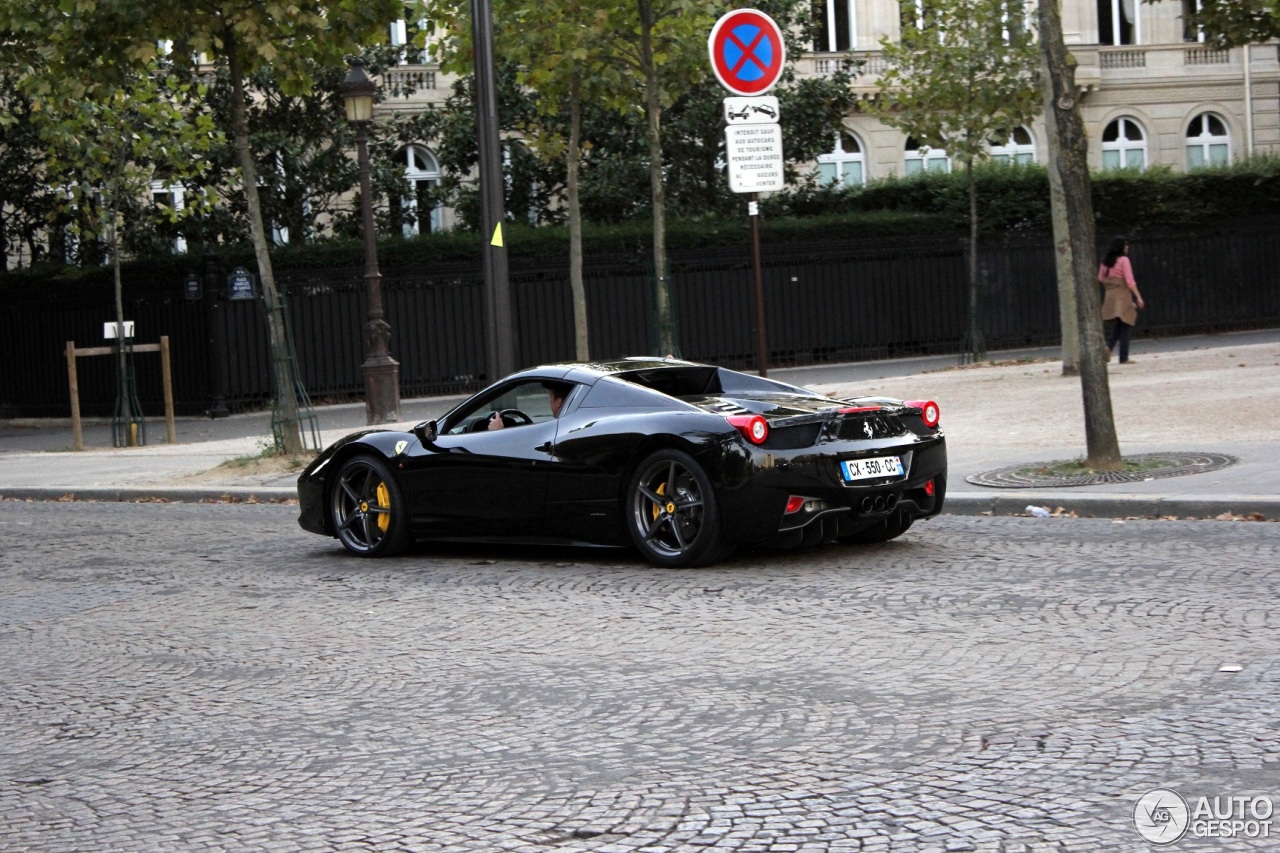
747, 56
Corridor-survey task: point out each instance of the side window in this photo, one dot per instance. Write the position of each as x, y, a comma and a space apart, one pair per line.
533, 399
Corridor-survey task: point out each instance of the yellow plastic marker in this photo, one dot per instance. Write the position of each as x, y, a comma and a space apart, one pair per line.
497, 236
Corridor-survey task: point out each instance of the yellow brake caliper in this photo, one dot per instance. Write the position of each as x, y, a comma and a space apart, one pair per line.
657, 508
384, 501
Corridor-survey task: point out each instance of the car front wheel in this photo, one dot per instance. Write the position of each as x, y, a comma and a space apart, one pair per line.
367, 511
671, 511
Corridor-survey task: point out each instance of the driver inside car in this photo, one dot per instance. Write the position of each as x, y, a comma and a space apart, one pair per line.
556, 393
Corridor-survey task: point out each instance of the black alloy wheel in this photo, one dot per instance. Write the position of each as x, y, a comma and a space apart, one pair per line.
671, 511
367, 509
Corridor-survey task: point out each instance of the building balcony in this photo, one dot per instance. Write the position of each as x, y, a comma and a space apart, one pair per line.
1103, 67
1098, 66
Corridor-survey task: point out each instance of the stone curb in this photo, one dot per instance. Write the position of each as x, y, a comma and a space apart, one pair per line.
158, 494
1127, 506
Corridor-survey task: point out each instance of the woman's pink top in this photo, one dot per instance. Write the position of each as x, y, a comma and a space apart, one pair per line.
1122, 268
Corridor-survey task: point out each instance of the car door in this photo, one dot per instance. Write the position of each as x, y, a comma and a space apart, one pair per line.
476, 482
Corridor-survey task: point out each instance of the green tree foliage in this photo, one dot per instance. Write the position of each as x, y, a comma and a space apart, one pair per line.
28, 206
629, 55
572, 84
106, 144
1230, 23
301, 148
96, 42
961, 78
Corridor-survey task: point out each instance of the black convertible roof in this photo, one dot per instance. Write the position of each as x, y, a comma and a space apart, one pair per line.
673, 377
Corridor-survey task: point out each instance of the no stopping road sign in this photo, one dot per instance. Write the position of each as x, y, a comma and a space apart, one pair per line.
747, 52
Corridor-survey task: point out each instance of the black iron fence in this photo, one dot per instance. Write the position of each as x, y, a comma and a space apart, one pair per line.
843, 300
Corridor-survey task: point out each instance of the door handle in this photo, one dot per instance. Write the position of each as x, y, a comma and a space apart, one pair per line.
545, 447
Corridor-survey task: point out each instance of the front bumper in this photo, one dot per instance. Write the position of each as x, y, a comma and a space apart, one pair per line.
311, 514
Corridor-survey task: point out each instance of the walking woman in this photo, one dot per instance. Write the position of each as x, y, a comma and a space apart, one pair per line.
1122, 300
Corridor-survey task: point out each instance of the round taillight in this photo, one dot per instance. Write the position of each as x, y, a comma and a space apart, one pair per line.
929, 412
754, 428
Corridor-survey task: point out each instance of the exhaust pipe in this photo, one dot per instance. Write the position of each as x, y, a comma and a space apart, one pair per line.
878, 503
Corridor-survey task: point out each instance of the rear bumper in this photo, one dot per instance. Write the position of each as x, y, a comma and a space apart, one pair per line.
756, 513
836, 522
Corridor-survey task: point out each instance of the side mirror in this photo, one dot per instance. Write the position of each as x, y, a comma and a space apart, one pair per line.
426, 432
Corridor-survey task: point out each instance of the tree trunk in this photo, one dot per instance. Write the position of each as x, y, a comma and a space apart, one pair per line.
665, 310
1066, 284
975, 344
576, 287
278, 336
1068, 149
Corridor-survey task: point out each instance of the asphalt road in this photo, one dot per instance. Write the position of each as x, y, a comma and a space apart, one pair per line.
207, 677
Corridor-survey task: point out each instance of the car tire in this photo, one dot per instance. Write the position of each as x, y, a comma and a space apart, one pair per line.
367, 510
882, 531
673, 532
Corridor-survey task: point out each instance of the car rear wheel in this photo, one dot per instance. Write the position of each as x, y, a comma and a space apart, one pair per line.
367, 509
671, 511
882, 531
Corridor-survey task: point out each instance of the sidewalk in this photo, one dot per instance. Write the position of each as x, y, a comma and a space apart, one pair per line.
1217, 394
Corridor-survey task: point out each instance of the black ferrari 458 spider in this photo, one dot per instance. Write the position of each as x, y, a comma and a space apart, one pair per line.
685, 461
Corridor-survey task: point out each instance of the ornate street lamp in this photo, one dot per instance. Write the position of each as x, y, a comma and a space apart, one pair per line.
381, 371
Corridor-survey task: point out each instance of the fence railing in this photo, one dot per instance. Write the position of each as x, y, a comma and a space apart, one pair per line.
835, 301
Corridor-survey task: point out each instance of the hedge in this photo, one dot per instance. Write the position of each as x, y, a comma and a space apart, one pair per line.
1012, 200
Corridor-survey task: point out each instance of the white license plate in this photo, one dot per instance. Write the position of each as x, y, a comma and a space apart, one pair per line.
864, 469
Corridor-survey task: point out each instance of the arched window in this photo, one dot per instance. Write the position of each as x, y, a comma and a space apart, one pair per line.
844, 165
1208, 143
1124, 145
921, 158
419, 210
1020, 149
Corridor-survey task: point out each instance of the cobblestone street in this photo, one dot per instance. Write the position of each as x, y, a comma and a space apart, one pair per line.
185, 677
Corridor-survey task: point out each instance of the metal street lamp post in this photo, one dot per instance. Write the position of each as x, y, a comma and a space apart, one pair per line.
381, 371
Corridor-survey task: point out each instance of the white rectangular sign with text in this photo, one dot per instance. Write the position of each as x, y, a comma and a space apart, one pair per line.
754, 153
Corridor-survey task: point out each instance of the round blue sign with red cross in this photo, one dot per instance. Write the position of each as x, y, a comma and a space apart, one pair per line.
747, 52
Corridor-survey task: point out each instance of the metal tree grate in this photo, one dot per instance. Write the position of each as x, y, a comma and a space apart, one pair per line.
1152, 466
